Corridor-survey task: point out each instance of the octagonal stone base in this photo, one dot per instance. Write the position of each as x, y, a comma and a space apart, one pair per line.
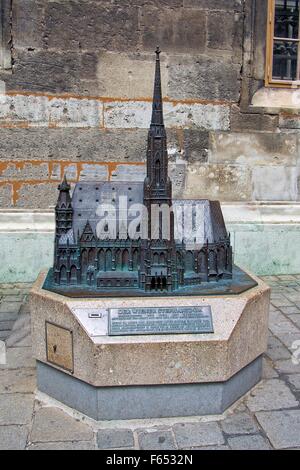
148, 376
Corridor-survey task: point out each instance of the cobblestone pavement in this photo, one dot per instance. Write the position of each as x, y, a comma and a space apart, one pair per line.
268, 417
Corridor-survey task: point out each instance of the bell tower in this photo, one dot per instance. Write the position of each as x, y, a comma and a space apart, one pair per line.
159, 270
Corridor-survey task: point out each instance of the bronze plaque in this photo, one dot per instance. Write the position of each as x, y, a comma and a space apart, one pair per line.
59, 344
160, 320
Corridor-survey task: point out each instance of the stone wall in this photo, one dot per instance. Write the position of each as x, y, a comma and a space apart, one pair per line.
78, 99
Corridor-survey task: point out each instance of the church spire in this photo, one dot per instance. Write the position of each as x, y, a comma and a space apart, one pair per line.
157, 106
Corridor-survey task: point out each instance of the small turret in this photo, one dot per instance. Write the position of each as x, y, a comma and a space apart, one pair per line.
63, 209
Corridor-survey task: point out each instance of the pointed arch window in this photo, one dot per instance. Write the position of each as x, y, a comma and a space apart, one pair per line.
157, 172
283, 43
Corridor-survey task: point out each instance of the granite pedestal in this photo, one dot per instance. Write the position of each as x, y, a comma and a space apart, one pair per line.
148, 376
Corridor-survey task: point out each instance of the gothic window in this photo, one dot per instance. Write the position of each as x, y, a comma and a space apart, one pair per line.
189, 262
5, 34
73, 275
108, 259
125, 260
157, 172
283, 43
63, 275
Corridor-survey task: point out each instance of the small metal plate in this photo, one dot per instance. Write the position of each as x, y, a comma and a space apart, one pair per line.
160, 320
59, 344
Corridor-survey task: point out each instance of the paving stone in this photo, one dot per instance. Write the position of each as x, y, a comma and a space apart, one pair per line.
21, 332
287, 367
280, 324
294, 380
8, 316
156, 440
197, 434
76, 445
6, 325
276, 350
14, 298
112, 438
212, 448
281, 427
268, 370
17, 381
271, 395
53, 425
16, 408
281, 301
255, 442
240, 423
19, 357
295, 318
4, 335
13, 437
10, 307
288, 339
290, 310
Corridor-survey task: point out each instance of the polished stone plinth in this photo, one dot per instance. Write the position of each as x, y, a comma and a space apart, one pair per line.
148, 376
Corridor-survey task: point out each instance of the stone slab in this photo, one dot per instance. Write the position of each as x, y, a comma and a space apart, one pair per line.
281, 427
107, 403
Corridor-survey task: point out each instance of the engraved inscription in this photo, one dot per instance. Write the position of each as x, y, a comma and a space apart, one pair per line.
59, 343
160, 320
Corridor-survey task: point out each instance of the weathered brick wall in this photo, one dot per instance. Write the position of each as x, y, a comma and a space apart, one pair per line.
78, 99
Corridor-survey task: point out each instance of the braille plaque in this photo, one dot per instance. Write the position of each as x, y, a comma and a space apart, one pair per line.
160, 320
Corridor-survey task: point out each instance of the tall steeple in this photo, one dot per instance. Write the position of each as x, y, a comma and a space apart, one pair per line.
157, 186
157, 107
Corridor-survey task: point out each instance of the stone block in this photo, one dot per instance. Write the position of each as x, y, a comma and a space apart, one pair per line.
26, 109
222, 38
51, 71
13, 437
65, 19
52, 425
243, 122
129, 173
91, 172
17, 381
271, 395
154, 439
255, 149
73, 112
6, 195
76, 445
218, 182
196, 145
281, 427
16, 408
295, 381
18, 357
84, 145
275, 183
24, 13
127, 115
26, 171
240, 423
128, 75
37, 196
115, 438
189, 435
203, 77
255, 442
214, 4
182, 31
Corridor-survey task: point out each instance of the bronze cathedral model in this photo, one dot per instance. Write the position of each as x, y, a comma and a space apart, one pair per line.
87, 264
